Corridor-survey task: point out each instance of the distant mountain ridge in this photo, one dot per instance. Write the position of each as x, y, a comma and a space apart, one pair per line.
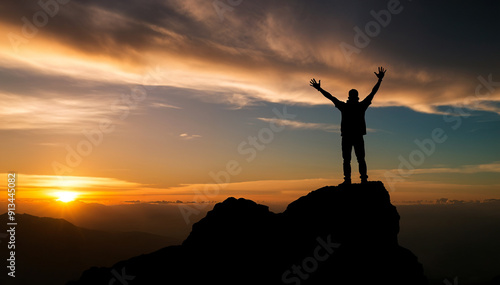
52, 251
334, 235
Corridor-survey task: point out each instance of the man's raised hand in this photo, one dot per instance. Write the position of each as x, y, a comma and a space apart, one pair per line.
315, 84
381, 73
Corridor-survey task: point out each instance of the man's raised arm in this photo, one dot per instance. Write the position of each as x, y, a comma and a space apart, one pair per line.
380, 75
317, 85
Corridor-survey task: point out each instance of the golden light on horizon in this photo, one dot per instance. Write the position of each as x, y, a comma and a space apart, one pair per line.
66, 196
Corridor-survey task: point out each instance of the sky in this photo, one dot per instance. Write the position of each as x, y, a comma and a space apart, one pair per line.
191, 100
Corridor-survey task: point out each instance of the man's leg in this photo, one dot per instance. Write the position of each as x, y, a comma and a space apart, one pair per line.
359, 149
346, 155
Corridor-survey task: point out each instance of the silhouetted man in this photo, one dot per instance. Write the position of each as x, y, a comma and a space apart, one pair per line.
353, 126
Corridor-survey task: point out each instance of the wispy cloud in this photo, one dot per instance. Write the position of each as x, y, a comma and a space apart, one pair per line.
489, 106
493, 167
271, 61
303, 125
331, 128
186, 136
57, 114
46, 184
163, 105
239, 101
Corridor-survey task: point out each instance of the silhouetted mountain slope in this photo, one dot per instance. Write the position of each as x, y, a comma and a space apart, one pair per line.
52, 251
337, 235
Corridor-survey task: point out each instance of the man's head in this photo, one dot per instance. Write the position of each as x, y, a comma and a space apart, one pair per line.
353, 95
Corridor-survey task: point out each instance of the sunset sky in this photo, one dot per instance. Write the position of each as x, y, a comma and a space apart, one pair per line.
201, 100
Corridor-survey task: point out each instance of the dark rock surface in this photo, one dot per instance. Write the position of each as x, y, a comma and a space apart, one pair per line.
334, 235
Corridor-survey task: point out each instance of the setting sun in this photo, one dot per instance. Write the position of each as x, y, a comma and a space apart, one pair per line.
66, 196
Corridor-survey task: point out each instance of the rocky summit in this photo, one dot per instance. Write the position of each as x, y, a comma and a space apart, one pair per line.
344, 234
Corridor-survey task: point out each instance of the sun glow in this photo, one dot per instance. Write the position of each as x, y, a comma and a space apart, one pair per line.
66, 196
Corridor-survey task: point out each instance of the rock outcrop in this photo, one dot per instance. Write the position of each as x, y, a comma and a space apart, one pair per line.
334, 235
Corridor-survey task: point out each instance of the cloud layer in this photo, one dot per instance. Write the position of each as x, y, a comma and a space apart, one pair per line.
260, 50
